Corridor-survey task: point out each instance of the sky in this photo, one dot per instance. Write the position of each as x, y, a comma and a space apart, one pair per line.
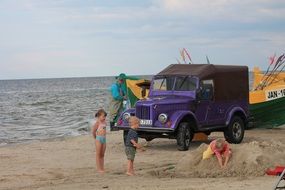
78, 38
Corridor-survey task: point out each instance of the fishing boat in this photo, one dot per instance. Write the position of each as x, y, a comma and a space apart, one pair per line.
267, 97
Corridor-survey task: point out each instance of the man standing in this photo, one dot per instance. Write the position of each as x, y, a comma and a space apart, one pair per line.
118, 93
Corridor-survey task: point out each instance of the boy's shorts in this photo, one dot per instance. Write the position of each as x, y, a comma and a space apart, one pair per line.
130, 152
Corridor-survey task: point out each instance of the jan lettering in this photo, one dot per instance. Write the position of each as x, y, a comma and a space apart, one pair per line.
272, 95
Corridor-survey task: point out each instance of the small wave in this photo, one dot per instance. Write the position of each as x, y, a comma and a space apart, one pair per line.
83, 129
54, 91
3, 143
86, 89
72, 133
39, 103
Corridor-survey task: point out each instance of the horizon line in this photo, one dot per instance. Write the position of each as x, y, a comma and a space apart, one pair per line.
69, 77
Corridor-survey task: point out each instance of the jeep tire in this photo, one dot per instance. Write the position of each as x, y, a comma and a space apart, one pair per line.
125, 134
184, 136
235, 130
148, 139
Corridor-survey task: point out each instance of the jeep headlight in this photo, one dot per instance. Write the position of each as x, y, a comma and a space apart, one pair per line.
162, 118
126, 116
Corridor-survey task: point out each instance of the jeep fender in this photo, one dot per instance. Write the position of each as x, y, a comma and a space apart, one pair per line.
131, 111
178, 116
233, 112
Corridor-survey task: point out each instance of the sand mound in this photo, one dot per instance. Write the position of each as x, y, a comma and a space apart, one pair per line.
249, 159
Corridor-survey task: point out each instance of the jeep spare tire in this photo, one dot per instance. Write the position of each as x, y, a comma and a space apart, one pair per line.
125, 134
234, 133
184, 136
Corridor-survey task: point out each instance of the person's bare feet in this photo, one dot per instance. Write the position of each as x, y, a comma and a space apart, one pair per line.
101, 171
130, 174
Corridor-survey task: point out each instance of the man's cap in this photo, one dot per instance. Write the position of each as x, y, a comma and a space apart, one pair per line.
121, 76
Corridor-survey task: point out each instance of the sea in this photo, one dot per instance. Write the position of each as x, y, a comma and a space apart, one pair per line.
42, 109
39, 109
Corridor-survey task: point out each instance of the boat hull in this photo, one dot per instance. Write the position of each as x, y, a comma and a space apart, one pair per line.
268, 113
267, 102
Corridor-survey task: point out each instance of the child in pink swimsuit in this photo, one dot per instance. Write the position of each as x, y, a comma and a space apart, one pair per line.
99, 133
221, 149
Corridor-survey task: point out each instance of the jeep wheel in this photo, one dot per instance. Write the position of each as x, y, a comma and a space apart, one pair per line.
184, 136
125, 134
207, 133
235, 131
148, 139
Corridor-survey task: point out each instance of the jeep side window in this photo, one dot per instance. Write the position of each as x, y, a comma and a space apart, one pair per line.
185, 84
207, 90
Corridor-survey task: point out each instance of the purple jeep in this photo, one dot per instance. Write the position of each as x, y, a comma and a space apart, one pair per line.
186, 99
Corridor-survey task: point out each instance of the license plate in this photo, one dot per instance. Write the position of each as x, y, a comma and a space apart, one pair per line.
145, 122
275, 94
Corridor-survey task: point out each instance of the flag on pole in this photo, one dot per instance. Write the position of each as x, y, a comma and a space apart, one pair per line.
188, 55
208, 61
178, 61
183, 55
272, 59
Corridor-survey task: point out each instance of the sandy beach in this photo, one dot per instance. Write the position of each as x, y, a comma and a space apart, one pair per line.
70, 164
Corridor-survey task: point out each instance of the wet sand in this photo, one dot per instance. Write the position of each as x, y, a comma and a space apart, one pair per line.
70, 164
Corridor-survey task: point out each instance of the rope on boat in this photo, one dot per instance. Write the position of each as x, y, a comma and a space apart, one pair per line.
268, 79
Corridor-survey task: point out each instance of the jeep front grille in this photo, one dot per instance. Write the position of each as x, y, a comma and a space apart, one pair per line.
143, 112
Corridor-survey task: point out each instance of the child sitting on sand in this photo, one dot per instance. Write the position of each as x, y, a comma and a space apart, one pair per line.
131, 144
221, 149
99, 133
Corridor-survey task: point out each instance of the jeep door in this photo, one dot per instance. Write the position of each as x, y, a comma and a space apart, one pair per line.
215, 113
208, 111
201, 111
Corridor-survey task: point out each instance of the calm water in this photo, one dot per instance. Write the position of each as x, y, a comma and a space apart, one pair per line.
50, 108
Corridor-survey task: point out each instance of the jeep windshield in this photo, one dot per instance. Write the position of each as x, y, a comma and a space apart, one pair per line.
179, 83
163, 83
